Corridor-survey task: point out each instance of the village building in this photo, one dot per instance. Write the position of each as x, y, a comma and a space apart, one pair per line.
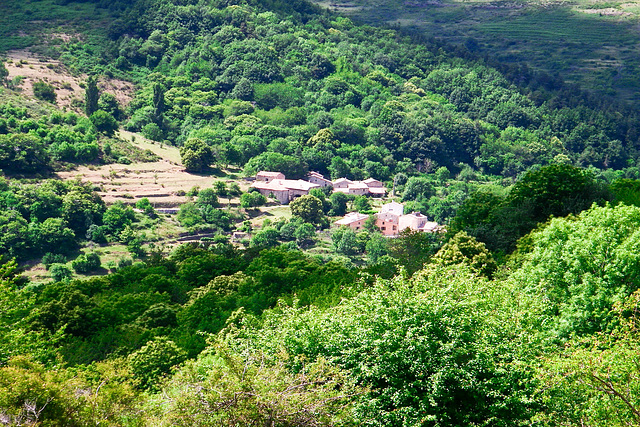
370, 186
318, 178
388, 219
284, 190
417, 222
353, 220
266, 176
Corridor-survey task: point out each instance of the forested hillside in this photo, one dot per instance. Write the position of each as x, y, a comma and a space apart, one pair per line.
521, 312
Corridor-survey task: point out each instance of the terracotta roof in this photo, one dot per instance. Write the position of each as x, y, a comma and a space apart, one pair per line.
373, 181
377, 190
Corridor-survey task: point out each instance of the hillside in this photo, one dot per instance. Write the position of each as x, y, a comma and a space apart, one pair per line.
588, 43
520, 309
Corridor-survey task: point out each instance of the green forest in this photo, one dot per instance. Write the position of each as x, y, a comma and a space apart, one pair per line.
521, 312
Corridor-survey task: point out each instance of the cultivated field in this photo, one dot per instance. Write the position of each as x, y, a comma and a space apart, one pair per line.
164, 182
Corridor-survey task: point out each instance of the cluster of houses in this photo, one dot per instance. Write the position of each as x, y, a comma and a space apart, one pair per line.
391, 220
274, 184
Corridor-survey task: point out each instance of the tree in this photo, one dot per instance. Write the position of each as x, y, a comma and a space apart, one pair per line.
464, 249
305, 234
104, 122
252, 199
377, 246
265, 238
158, 105
338, 204
154, 360
86, 263
582, 266
413, 249
207, 197
556, 190
196, 155
417, 188
308, 208
91, 96
4, 73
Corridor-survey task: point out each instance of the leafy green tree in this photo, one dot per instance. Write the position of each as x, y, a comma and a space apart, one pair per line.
207, 197
104, 122
413, 249
556, 190
146, 207
308, 208
23, 153
60, 272
338, 204
626, 191
117, 217
53, 236
265, 238
4, 73
464, 249
583, 266
345, 241
196, 155
155, 360
305, 234
86, 263
158, 105
416, 188
189, 215
376, 247
252, 199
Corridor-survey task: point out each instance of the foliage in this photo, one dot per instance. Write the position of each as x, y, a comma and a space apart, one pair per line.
44, 91
86, 263
196, 155
104, 122
582, 266
308, 208
91, 96
464, 249
252, 199
240, 389
155, 359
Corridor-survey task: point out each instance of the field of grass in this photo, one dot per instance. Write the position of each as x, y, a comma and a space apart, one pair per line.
588, 42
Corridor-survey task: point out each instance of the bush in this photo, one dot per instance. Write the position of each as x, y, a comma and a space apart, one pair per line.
60, 272
252, 200
44, 91
86, 263
50, 258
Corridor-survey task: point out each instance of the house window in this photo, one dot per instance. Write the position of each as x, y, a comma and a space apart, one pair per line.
394, 227
383, 228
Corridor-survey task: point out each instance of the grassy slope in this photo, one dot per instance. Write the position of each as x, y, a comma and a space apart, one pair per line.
591, 43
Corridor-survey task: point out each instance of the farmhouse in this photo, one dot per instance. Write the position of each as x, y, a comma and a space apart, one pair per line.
360, 188
391, 220
353, 220
284, 190
267, 176
317, 178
